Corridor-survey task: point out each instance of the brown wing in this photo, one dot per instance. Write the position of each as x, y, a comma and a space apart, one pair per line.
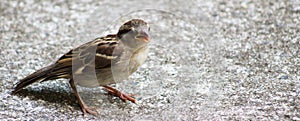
101, 52
98, 53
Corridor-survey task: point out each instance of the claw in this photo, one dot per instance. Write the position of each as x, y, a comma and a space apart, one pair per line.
89, 110
121, 95
85, 109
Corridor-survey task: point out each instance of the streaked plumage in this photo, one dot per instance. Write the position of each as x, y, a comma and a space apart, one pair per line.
103, 61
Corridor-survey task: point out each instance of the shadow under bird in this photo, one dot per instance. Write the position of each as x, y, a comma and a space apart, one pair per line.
101, 62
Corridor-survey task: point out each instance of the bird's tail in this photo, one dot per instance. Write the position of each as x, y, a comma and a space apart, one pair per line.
42, 74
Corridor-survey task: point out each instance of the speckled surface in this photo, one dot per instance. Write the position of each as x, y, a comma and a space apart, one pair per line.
209, 60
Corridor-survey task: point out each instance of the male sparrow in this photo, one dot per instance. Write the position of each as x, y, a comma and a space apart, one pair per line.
100, 62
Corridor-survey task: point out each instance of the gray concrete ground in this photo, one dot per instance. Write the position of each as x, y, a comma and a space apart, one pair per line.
209, 60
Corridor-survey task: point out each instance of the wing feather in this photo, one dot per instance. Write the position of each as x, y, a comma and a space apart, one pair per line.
98, 53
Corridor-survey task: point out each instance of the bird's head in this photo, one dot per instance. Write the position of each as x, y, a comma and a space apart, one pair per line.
134, 33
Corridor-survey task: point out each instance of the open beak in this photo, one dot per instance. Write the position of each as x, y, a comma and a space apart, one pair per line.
143, 36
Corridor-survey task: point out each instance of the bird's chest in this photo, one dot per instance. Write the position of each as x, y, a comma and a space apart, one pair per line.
137, 59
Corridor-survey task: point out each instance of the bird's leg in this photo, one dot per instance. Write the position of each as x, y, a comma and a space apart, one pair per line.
85, 109
119, 94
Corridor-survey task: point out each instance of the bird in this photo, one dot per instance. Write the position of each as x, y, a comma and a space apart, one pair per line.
99, 63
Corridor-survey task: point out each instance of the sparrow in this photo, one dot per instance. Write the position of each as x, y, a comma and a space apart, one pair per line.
101, 62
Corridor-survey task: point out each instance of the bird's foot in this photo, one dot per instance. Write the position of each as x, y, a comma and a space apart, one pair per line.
89, 110
119, 94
